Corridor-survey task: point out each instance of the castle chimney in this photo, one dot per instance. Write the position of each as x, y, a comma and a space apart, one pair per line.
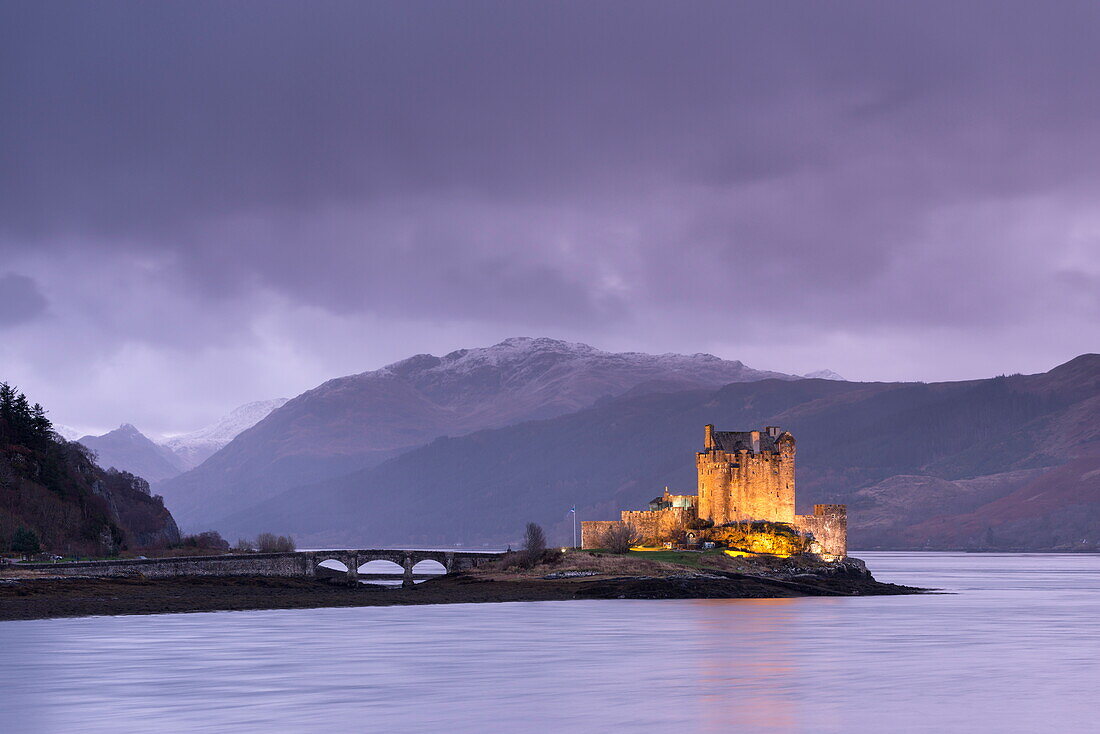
773, 431
708, 437
755, 435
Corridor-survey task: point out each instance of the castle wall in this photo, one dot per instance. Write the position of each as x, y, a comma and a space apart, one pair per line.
829, 526
658, 526
742, 486
592, 532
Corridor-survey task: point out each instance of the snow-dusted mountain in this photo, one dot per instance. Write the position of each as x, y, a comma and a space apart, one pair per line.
360, 420
197, 446
524, 377
824, 375
66, 432
128, 449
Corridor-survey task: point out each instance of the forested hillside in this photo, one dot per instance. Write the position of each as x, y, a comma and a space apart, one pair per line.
53, 493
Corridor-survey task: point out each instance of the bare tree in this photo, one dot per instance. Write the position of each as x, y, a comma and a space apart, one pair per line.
619, 538
271, 543
677, 532
534, 543
209, 540
243, 545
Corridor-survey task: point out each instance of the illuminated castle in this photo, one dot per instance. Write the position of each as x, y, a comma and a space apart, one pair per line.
743, 477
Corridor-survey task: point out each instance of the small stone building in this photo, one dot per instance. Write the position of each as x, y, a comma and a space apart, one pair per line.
743, 477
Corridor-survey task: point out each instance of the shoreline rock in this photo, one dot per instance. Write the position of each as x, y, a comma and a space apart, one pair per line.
38, 598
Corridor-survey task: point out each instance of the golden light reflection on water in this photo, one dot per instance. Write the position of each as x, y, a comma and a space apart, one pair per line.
747, 669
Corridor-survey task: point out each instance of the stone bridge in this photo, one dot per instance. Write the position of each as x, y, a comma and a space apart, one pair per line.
406, 559
295, 564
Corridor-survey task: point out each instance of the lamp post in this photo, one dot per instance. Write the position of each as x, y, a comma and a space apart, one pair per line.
573, 512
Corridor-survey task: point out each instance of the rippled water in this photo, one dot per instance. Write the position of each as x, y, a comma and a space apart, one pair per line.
1014, 649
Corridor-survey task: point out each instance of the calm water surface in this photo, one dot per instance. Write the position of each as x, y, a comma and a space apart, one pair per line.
1015, 648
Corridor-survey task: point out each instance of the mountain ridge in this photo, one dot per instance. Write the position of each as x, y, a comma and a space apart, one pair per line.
360, 420
900, 454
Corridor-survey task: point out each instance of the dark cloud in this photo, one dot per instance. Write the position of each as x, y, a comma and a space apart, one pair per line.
821, 172
20, 300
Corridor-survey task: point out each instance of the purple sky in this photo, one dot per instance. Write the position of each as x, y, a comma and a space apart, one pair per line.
203, 204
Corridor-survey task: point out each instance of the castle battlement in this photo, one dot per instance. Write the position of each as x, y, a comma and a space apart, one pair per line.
746, 475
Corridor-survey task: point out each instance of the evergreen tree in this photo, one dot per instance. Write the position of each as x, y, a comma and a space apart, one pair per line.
25, 541
21, 417
7, 400
41, 427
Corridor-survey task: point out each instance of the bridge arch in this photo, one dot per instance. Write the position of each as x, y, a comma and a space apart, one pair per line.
428, 566
380, 571
379, 565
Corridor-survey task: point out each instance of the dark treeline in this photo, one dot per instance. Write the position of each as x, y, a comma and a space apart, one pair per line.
22, 423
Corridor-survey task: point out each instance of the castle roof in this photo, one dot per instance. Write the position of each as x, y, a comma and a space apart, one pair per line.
734, 441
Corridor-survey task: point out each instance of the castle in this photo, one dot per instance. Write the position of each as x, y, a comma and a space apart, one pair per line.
744, 478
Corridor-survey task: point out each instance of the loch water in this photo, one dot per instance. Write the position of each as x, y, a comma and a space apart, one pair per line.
1013, 647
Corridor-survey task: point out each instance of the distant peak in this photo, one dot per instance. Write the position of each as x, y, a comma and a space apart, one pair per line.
125, 431
513, 341
708, 357
67, 432
540, 342
824, 375
130, 431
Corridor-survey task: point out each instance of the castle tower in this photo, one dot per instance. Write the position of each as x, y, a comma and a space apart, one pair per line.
746, 475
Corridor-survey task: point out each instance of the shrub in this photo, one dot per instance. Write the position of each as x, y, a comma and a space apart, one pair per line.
620, 537
760, 537
512, 560
271, 543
